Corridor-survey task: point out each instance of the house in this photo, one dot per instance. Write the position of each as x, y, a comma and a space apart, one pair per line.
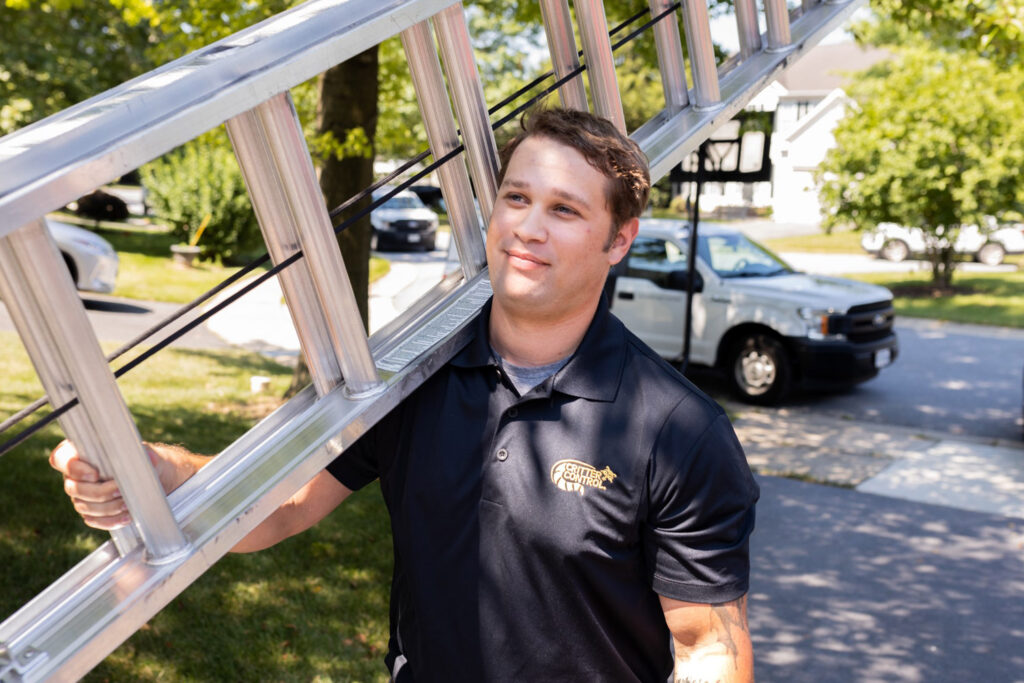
808, 101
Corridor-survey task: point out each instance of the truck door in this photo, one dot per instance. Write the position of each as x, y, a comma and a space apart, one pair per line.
648, 298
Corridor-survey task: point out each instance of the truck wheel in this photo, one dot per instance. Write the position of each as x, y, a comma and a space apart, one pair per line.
991, 254
759, 369
895, 251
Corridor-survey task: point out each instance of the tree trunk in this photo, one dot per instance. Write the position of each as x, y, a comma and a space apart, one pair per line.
347, 101
943, 264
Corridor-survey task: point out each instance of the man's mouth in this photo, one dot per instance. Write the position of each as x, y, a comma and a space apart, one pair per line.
524, 259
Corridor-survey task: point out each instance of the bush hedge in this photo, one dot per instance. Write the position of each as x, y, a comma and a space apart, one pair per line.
198, 179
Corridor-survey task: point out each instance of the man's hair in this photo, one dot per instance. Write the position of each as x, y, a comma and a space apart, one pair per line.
610, 152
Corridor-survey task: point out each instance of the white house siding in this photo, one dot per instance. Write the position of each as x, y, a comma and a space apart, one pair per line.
799, 146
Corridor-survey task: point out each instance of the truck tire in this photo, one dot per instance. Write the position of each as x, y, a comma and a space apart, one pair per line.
895, 251
759, 369
991, 254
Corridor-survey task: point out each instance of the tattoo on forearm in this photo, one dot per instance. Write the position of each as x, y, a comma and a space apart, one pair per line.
732, 615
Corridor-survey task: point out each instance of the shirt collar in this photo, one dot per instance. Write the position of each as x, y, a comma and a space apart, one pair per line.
594, 370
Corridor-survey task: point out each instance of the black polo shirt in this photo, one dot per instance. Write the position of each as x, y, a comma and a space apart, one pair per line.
533, 534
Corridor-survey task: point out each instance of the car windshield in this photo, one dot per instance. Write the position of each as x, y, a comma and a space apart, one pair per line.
736, 256
401, 202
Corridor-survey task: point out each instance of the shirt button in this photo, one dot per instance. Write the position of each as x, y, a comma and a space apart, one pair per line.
502, 454
513, 412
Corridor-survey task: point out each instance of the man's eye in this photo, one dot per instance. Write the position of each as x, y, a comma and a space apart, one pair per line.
515, 197
567, 210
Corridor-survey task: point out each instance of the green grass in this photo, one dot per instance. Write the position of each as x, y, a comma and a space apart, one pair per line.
980, 298
840, 242
312, 608
148, 273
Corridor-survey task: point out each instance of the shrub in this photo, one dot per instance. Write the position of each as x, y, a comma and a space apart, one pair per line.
102, 206
198, 179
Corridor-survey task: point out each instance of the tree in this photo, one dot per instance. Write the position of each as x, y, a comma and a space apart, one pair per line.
57, 53
990, 28
915, 150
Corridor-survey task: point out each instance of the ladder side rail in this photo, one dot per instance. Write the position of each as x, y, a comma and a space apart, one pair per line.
779, 36
337, 300
670, 57
707, 93
747, 28
667, 143
470, 106
562, 48
597, 53
266, 190
51, 318
131, 124
436, 112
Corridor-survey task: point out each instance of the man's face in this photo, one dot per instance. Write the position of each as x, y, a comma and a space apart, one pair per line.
547, 244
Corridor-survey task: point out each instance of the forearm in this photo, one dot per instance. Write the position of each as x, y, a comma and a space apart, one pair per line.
716, 662
712, 642
307, 507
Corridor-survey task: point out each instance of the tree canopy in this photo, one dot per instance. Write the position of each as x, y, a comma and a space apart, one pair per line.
933, 141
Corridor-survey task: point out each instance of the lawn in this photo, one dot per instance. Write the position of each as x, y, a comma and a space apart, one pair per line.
313, 608
147, 272
839, 242
979, 298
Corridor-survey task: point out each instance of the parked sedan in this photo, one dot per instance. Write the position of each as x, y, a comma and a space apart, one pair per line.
895, 242
90, 259
403, 221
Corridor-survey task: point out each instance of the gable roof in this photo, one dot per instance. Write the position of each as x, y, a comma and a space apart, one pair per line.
827, 67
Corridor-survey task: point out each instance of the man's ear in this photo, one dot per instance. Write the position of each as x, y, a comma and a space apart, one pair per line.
622, 240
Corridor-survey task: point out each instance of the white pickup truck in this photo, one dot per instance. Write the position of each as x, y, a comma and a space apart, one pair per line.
767, 326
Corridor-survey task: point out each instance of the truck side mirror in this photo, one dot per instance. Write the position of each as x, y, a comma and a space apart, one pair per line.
680, 280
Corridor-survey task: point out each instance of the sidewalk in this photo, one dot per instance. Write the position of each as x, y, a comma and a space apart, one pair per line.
962, 472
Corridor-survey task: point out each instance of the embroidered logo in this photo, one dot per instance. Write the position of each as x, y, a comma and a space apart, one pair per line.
573, 475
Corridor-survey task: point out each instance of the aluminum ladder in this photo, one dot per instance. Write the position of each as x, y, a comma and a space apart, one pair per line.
242, 81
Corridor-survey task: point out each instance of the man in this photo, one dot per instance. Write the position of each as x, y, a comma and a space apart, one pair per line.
564, 505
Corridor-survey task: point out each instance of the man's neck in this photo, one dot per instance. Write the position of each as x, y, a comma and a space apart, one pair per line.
526, 341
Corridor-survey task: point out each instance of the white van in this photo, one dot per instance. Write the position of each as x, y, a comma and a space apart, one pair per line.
765, 325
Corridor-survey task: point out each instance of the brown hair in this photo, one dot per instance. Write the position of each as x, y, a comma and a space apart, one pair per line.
610, 152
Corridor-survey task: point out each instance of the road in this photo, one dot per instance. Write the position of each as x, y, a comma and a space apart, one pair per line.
958, 379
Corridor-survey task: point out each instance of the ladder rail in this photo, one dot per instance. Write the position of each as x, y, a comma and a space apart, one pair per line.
127, 126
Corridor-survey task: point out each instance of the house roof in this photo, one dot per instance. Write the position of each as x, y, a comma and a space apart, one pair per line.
827, 67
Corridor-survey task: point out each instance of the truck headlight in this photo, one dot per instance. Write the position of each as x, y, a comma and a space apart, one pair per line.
822, 324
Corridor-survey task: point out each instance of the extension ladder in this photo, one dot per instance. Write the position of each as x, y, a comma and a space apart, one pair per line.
242, 81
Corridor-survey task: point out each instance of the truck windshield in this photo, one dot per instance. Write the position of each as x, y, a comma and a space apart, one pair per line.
404, 202
736, 256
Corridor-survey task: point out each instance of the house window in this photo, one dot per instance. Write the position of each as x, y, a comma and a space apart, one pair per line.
801, 109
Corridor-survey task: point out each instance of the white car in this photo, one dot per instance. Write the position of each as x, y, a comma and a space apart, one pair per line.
403, 221
765, 325
895, 242
91, 259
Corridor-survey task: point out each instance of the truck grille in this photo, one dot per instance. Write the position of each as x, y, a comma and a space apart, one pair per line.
410, 225
865, 323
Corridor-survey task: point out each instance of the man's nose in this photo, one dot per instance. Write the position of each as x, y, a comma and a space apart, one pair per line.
532, 226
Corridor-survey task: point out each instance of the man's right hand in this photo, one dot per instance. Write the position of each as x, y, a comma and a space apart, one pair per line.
98, 500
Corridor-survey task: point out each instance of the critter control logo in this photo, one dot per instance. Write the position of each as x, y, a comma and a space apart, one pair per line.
573, 475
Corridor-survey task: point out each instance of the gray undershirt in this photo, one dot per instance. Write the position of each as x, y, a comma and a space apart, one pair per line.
525, 379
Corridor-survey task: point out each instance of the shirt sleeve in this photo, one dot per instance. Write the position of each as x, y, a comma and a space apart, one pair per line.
701, 507
367, 459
